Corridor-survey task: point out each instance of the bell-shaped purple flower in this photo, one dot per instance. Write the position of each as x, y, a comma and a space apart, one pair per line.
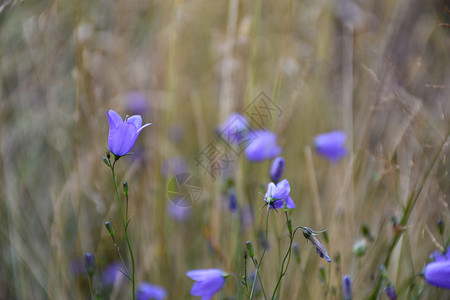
123, 134
208, 282
331, 145
437, 273
147, 291
277, 168
263, 146
347, 287
277, 195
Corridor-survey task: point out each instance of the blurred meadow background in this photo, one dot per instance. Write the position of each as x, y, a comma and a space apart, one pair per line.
375, 69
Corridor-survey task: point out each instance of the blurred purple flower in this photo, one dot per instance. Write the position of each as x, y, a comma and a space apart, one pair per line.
235, 129
123, 134
277, 168
173, 166
180, 212
176, 133
147, 291
277, 195
347, 287
390, 292
263, 146
89, 263
137, 103
331, 145
437, 273
232, 198
208, 282
109, 274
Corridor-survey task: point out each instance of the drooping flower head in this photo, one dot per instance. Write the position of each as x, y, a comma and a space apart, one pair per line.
310, 235
437, 273
263, 146
277, 168
208, 282
123, 134
277, 195
390, 292
331, 145
147, 291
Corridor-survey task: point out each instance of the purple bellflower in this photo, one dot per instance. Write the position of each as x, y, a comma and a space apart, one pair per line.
437, 273
390, 292
208, 282
263, 146
347, 287
235, 129
277, 168
331, 145
123, 134
277, 195
147, 291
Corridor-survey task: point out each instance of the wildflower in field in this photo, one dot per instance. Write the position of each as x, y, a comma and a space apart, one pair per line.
110, 273
277, 168
347, 287
208, 282
235, 129
179, 210
263, 146
123, 134
437, 273
147, 291
390, 292
331, 145
277, 195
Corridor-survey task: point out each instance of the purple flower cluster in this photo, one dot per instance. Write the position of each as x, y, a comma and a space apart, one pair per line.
437, 273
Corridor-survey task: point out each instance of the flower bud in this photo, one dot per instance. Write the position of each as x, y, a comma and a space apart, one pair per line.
440, 226
383, 272
296, 249
106, 161
347, 287
250, 250
322, 275
390, 291
277, 168
110, 230
360, 247
125, 188
89, 263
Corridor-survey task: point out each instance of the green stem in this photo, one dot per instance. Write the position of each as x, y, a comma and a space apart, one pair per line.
125, 227
257, 265
287, 256
409, 207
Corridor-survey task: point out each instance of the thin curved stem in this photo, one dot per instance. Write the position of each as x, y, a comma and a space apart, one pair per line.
257, 265
125, 227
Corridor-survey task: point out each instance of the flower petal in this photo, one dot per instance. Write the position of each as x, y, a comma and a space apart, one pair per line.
136, 120
438, 274
290, 203
204, 274
122, 139
282, 190
114, 118
209, 287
